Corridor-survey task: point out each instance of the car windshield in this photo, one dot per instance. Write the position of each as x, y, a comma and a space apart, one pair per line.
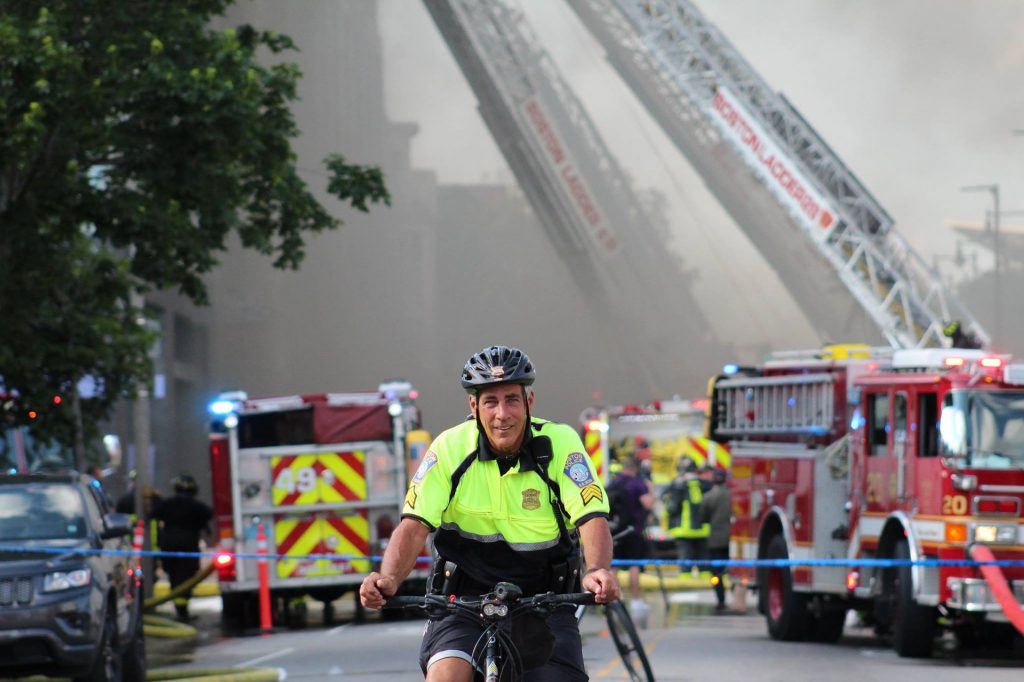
41, 511
984, 429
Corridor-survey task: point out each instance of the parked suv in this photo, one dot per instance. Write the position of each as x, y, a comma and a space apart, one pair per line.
64, 612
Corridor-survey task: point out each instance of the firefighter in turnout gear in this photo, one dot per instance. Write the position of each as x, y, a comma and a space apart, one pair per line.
182, 520
508, 497
682, 499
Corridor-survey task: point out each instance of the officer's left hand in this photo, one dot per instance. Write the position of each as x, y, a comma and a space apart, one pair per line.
604, 584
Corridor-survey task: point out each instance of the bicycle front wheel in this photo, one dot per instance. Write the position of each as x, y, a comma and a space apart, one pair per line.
628, 643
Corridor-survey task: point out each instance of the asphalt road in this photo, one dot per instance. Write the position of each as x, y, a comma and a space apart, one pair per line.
687, 643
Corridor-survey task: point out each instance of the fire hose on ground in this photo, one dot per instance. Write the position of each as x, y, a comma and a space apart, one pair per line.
166, 628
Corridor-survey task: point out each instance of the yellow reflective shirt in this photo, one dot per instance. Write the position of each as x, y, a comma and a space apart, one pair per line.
502, 526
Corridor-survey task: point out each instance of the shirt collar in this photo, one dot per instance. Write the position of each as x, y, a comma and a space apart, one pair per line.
525, 454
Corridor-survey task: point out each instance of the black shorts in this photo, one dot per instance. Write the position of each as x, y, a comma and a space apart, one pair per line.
457, 635
632, 546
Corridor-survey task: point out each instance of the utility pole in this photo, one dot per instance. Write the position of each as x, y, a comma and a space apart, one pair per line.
993, 225
141, 436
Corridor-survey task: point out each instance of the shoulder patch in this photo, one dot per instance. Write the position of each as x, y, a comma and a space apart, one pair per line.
429, 460
577, 470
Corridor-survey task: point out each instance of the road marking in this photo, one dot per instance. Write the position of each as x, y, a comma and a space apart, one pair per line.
336, 630
264, 658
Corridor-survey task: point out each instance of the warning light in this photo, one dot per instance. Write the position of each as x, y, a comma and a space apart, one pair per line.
955, 362
414, 394
225, 564
852, 580
224, 559
991, 363
56, 400
32, 414
956, 533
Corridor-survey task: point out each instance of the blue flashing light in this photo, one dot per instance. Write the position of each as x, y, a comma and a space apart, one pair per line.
731, 368
222, 407
791, 402
95, 483
856, 421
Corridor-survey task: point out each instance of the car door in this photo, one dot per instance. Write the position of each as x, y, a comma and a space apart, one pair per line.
114, 566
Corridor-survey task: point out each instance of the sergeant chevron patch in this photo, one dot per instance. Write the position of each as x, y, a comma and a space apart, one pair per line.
591, 492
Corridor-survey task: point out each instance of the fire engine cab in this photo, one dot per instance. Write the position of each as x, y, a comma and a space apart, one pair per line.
874, 454
322, 475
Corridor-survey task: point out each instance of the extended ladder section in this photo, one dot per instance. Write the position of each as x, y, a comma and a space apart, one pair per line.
615, 249
789, 404
724, 117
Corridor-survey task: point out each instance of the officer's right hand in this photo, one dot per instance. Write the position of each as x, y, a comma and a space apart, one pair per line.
375, 588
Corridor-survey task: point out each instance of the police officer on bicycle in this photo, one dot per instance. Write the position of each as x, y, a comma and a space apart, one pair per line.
508, 497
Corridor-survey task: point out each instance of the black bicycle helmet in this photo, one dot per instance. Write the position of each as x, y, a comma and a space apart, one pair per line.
497, 365
185, 483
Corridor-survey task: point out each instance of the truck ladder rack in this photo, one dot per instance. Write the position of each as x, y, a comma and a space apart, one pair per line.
725, 118
614, 245
790, 404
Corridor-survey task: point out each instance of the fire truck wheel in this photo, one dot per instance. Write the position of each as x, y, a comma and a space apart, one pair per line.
784, 610
911, 625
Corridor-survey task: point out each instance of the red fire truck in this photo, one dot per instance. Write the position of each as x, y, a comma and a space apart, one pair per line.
859, 454
323, 474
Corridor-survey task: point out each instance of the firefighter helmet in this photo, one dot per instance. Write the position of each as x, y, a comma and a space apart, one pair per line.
185, 483
497, 365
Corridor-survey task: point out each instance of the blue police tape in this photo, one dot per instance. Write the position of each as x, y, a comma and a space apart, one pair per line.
706, 563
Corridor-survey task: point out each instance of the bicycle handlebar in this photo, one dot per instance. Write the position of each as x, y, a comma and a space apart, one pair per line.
504, 594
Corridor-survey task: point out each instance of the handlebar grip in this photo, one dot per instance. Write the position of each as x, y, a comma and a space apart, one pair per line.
578, 598
404, 601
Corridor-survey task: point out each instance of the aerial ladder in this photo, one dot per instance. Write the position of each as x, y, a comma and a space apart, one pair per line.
614, 246
814, 221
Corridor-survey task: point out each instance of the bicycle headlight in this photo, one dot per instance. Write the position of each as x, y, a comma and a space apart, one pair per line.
499, 610
66, 580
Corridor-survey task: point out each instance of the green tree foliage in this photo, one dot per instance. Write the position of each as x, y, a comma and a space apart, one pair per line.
134, 139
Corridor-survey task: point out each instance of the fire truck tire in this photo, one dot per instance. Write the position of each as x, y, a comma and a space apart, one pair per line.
912, 626
785, 611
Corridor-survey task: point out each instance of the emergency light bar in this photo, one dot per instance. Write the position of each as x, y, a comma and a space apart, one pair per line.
935, 358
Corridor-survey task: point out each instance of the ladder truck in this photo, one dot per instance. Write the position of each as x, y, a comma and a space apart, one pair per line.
827, 237
614, 246
853, 454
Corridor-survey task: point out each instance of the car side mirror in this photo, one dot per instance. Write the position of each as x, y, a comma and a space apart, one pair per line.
116, 526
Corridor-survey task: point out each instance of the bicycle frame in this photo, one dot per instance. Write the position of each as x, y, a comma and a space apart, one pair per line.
503, 602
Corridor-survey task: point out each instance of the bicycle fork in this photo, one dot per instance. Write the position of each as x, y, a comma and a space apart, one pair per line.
492, 661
